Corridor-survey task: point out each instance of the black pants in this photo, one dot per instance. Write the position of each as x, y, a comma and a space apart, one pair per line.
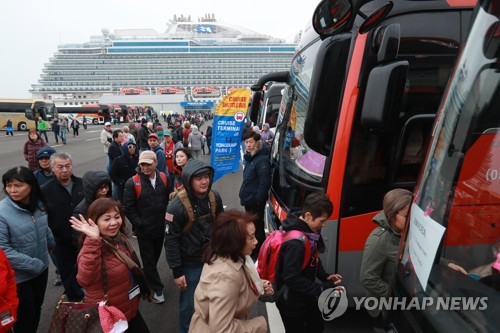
31, 294
66, 259
310, 321
209, 144
260, 233
150, 253
137, 324
44, 132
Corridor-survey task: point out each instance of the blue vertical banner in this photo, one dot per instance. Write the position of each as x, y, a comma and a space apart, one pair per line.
227, 129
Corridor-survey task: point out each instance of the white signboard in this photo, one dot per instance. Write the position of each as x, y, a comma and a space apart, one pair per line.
423, 241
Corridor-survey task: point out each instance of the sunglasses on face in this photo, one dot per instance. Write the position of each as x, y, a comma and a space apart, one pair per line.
130, 147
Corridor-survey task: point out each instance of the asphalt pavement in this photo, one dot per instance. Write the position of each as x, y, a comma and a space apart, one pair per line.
88, 154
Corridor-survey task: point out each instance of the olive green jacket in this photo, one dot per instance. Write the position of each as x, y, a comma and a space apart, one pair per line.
379, 259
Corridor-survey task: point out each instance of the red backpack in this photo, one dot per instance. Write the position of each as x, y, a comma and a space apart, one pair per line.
137, 183
270, 250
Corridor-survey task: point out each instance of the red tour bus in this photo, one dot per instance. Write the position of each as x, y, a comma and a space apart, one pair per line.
457, 199
357, 112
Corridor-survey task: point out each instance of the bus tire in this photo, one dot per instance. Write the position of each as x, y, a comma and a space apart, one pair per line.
95, 121
22, 126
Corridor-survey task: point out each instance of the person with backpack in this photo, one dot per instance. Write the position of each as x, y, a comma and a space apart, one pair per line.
145, 200
296, 288
190, 216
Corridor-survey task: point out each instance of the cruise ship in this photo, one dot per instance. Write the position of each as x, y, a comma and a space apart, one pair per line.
200, 60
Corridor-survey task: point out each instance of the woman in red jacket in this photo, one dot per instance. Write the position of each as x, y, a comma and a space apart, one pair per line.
8, 295
125, 281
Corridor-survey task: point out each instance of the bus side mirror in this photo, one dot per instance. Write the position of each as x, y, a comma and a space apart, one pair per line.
384, 94
255, 105
330, 16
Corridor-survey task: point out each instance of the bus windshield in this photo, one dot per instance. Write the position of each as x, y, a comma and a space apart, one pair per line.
299, 159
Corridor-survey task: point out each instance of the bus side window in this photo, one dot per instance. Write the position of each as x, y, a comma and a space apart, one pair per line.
412, 146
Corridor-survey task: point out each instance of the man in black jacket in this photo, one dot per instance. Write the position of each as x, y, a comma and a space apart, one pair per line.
145, 205
297, 289
115, 148
184, 248
142, 141
123, 168
62, 193
254, 189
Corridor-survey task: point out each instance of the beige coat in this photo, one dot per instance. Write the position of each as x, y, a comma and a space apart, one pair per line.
222, 301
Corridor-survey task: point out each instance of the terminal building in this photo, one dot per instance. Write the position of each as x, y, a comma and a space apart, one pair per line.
189, 67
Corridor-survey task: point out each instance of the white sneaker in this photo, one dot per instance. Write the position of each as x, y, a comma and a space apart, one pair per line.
159, 297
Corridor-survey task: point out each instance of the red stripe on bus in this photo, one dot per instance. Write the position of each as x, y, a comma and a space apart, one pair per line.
354, 231
461, 3
346, 118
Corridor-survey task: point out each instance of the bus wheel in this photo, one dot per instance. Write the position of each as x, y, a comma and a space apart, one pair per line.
22, 126
95, 121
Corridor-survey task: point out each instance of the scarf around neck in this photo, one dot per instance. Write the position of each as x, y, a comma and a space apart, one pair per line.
131, 261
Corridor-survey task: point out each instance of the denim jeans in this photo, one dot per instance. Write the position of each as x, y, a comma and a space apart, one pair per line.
62, 134
186, 298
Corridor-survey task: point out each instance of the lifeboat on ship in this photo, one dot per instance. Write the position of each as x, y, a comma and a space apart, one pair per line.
169, 90
205, 92
133, 91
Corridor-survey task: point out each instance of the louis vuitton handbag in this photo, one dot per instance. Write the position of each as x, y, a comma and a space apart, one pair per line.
78, 317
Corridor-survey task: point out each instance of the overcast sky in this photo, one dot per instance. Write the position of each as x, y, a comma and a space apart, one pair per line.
31, 30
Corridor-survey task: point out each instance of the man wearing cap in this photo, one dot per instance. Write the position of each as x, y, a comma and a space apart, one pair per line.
184, 248
154, 146
168, 148
106, 139
44, 172
145, 204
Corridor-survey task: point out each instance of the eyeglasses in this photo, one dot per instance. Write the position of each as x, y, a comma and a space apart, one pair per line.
130, 147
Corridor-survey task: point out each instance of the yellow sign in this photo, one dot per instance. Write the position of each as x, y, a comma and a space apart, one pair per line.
233, 102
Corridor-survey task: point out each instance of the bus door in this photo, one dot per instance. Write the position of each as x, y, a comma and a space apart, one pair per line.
457, 200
